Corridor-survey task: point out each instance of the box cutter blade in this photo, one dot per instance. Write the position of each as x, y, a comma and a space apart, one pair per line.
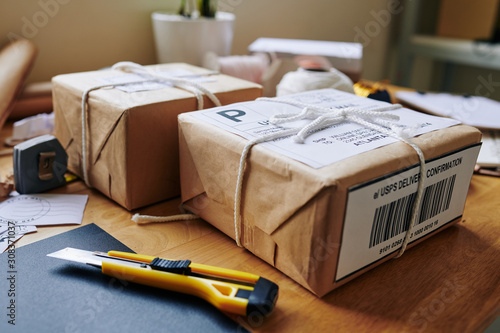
229, 290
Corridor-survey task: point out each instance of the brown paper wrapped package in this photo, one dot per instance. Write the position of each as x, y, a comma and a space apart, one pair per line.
132, 137
292, 214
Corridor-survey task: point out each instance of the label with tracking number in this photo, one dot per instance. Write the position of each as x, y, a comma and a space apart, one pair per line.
334, 143
378, 212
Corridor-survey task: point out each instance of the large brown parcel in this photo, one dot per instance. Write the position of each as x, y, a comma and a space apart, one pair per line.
132, 135
323, 225
470, 20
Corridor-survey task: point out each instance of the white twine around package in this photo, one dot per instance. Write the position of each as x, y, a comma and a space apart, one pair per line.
147, 75
321, 117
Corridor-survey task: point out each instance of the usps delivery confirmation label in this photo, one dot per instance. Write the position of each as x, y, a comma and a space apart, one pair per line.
378, 212
324, 147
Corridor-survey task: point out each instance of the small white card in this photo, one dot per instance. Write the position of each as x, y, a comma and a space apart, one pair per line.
337, 142
43, 209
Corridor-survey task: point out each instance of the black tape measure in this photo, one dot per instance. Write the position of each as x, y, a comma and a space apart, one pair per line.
39, 165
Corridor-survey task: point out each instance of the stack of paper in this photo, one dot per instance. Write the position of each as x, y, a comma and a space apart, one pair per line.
477, 111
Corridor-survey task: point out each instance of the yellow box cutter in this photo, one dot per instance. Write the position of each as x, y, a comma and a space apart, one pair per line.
228, 290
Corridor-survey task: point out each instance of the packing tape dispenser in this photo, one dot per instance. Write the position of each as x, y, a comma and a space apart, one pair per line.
40, 164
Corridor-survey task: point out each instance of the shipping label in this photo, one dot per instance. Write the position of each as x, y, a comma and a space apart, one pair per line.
378, 212
326, 146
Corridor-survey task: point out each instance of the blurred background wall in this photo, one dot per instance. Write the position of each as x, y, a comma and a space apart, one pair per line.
80, 35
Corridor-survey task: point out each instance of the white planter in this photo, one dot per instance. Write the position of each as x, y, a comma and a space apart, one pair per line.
180, 39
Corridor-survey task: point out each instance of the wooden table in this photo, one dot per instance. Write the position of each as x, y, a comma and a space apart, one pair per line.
449, 283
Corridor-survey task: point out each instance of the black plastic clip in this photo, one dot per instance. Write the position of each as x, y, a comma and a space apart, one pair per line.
172, 266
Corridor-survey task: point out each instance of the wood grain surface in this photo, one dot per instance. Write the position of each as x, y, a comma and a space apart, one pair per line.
449, 283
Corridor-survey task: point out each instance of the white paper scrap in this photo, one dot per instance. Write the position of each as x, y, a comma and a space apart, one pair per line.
43, 209
33, 126
489, 155
334, 143
10, 234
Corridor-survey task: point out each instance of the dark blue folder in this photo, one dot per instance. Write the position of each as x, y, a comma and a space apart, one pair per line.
53, 295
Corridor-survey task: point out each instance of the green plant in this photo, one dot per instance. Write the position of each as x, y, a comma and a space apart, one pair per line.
194, 8
207, 8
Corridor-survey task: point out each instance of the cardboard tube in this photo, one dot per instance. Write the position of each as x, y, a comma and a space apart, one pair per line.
16, 60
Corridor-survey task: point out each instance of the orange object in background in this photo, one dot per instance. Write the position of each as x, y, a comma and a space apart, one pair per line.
34, 98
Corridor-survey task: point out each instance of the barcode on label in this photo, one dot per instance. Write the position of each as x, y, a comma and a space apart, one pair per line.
393, 218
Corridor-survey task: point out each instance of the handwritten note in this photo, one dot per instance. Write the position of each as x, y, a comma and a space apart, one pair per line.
43, 209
